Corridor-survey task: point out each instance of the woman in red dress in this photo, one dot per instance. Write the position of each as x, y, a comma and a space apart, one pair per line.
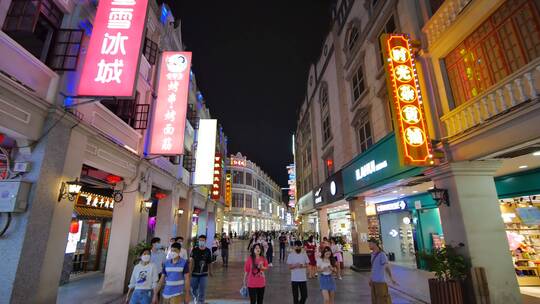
310, 248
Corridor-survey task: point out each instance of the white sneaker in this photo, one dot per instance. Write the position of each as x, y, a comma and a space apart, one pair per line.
270, 265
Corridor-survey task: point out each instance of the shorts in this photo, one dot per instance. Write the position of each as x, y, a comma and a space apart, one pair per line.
327, 282
338, 256
174, 300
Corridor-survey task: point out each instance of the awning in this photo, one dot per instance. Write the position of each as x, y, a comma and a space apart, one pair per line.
91, 212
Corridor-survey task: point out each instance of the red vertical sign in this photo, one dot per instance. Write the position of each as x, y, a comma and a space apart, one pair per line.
112, 59
169, 120
216, 186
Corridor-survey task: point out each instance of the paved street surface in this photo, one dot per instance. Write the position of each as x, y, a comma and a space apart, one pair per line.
226, 283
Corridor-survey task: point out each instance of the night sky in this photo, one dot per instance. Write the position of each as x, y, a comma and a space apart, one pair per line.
251, 60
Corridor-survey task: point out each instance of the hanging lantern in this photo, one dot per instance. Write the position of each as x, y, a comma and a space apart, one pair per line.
160, 195
113, 179
74, 227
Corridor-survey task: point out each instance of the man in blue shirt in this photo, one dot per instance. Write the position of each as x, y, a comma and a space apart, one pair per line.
377, 281
175, 276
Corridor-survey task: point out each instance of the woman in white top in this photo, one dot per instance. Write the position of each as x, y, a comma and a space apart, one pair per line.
338, 255
326, 266
144, 279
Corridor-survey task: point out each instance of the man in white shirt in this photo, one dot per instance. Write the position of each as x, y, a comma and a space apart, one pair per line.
298, 262
157, 256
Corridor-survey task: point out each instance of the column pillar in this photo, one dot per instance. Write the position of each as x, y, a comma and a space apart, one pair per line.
166, 217
323, 223
203, 218
26, 248
211, 227
474, 220
184, 220
359, 233
124, 235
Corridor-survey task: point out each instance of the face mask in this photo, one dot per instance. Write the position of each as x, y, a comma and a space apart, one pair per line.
298, 250
202, 243
145, 258
174, 255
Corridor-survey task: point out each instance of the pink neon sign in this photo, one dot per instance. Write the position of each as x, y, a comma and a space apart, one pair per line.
169, 121
112, 59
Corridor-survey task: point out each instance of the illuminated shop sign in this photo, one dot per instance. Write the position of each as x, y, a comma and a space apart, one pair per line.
394, 206
112, 58
216, 186
318, 196
238, 162
228, 190
291, 171
369, 168
206, 151
408, 112
169, 120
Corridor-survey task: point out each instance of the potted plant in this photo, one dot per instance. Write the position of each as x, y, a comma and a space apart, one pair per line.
450, 270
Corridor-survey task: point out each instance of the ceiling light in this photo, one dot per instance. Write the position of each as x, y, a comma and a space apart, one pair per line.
523, 166
537, 153
415, 191
395, 191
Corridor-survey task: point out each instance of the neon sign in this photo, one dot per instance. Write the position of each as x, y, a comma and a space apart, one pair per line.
169, 120
228, 190
112, 59
399, 205
369, 169
216, 186
408, 113
238, 162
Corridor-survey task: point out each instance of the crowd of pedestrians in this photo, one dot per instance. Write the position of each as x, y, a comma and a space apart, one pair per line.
170, 275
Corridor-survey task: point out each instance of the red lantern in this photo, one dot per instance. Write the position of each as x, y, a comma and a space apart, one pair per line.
74, 227
113, 179
160, 195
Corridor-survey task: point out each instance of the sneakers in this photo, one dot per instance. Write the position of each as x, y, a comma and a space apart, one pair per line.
270, 265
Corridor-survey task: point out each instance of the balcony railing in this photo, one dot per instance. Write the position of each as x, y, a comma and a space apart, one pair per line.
513, 90
443, 18
25, 68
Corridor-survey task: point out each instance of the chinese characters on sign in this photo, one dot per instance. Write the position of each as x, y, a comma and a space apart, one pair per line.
413, 142
112, 59
169, 120
291, 171
238, 162
216, 186
228, 190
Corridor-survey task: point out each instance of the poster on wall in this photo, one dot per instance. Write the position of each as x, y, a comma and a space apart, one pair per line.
112, 58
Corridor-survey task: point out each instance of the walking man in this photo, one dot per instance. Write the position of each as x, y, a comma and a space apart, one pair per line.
225, 242
175, 279
201, 268
282, 245
377, 282
298, 262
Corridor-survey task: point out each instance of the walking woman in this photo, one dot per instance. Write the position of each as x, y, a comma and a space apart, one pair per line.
270, 251
338, 255
254, 268
144, 281
326, 265
310, 248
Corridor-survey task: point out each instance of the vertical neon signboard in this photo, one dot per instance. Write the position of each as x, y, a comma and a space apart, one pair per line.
228, 190
169, 119
216, 186
408, 112
112, 59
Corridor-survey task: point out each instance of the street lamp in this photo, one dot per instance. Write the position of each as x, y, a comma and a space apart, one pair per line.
146, 205
70, 190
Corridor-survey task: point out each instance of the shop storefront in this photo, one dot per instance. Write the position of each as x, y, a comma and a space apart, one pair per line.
408, 226
340, 225
519, 196
89, 232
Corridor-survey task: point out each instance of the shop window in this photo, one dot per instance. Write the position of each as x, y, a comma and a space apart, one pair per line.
238, 177
389, 27
365, 139
34, 24
325, 114
358, 86
504, 43
238, 200
352, 37
249, 179
249, 201
65, 53
150, 50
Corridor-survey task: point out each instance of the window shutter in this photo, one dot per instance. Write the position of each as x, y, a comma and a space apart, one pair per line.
150, 50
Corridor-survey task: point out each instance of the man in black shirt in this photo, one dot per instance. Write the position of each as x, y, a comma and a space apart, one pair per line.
201, 267
225, 242
282, 245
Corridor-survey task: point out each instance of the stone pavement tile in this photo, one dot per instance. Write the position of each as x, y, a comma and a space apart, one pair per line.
226, 283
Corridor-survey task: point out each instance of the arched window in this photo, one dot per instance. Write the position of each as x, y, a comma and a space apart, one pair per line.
352, 37
325, 114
